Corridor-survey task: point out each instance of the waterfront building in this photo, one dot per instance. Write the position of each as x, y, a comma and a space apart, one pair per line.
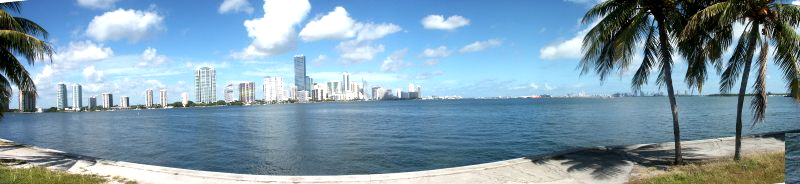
163, 98
346, 82
77, 97
300, 72
333, 87
273, 88
205, 82
419, 91
61, 96
185, 99
319, 93
27, 101
302, 96
92, 103
377, 93
388, 94
108, 100
148, 98
398, 93
229, 93
309, 83
293, 92
411, 87
247, 92
125, 102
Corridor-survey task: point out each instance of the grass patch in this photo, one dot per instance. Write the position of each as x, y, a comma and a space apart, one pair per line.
759, 168
43, 175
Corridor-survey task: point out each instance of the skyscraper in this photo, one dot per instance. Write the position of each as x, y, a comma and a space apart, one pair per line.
163, 98
77, 97
92, 103
108, 100
125, 102
148, 98
300, 72
334, 87
411, 87
247, 92
184, 99
346, 82
205, 81
273, 88
27, 101
61, 96
229, 93
309, 83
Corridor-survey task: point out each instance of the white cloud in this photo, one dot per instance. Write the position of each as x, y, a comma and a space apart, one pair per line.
97, 4
356, 52
274, 33
120, 24
533, 85
395, 62
150, 57
93, 75
428, 75
439, 22
548, 87
481, 45
228, 6
80, 52
338, 25
335, 25
796, 2
569, 49
438, 52
320, 59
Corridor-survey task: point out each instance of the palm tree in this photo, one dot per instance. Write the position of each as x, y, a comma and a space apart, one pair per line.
766, 23
19, 37
622, 26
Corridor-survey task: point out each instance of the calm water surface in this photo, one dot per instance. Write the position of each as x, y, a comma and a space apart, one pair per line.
378, 137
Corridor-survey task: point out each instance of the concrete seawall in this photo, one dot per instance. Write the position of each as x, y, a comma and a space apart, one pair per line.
608, 164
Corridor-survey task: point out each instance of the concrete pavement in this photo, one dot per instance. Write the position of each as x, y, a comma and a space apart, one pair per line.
609, 164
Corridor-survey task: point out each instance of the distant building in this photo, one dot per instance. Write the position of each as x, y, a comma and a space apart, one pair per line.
148, 98
411, 87
27, 101
377, 93
302, 96
92, 103
185, 99
205, 82
346, 82
125, 102
247, 92
77, 97
300, 72
318, 93
61, 95
229, 93
273, 88
309, 83
108, 100
163, 98
334, 87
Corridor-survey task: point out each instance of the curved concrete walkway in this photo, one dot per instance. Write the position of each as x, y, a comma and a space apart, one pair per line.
610, 164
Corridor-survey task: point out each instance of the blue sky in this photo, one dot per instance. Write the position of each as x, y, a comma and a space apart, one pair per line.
468, 48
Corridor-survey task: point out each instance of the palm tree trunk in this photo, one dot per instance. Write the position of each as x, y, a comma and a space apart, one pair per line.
666, 59
742, 90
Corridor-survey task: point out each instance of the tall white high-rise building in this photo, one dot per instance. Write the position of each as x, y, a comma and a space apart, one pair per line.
229, 89
163, 98
300, 72
125, 102
205, 82
148, 98
273, 88
77, 97
108, 100
247, 92
346, 82
61, 95
411, 87
334, 87
184, 99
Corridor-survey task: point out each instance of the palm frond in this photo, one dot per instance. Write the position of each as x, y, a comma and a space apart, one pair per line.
26, 45
651, 54
759, 102
16, 72
743, 52
13, 6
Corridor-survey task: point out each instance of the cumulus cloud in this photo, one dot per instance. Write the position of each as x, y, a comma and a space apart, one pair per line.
274, 33
439, 22
428, 75
97, 4
93, 75
80, 52
569, 49
320, 59
481, 45
356, 52
150, 57
228, 6
438, 52
335, 25
533, 85
119, 24
395, 62
338, 25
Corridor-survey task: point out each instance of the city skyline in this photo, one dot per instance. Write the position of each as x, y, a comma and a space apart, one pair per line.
449, 49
